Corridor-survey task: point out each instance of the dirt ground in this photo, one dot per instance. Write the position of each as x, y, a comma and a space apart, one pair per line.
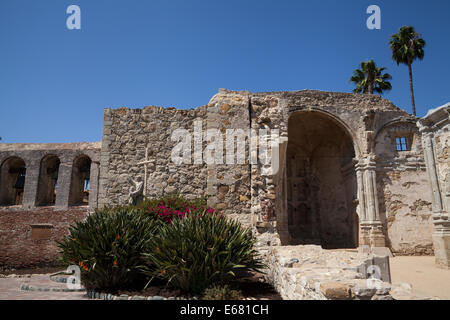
424, 276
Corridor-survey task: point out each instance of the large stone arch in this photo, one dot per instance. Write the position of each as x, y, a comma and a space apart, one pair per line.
318, 182
12, 181
81, 170
48, 179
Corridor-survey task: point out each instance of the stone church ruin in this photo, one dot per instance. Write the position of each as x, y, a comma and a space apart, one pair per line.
355, 171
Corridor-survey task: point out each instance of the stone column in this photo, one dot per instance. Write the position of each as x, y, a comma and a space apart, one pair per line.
93, 180
432, 172
441, 221
31, 185
63, 187
371, 228
363, 229
280, 182
103, 179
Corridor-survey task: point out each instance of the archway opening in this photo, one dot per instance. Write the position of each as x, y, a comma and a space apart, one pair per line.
12, 181
80, 183
321, 182
48, 180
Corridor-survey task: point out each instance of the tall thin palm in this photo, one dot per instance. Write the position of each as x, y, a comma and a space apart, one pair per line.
407, 45
369, 78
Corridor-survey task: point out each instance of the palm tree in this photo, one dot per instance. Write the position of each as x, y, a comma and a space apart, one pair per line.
407, 45
370, 78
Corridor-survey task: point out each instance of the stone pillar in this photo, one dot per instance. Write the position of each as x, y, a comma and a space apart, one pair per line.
280, 179
63, 187
93, 180
361, 210
441, 222
103, 179
371, 228
432, 172
31, 185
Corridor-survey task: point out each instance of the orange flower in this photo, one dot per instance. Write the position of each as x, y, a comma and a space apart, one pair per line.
117, 237
115, 262
83, 265
163, 272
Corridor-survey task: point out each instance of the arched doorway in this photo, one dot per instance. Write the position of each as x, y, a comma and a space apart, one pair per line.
321, 182
12, 181
80, 183
48, 179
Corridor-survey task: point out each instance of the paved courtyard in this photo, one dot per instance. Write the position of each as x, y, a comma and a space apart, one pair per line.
421, 273
426, 279
10, 289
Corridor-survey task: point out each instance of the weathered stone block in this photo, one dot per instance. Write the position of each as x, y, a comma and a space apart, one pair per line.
336, 290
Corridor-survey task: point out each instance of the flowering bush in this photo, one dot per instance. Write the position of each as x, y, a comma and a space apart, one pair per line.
173, 206
201, 249
108, 247
181, 241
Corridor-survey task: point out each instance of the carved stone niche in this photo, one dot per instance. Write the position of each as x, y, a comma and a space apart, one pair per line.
41, 231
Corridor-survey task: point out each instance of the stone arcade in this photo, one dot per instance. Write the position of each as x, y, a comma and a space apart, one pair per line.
355, 171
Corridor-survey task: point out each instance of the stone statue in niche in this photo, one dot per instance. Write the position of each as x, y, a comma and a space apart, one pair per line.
268, 212
136, 193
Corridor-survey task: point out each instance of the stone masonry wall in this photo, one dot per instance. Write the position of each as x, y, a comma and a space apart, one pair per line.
28, 231
126, 135
128, 132
34, 153
403, 191
28, 237
435, 129
252, 192
229, 183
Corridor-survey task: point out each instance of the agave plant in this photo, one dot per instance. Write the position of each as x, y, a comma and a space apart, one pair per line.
108, 247
201, 249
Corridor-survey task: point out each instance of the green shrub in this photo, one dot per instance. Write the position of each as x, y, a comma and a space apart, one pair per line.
108, 247
201, 249
221, 293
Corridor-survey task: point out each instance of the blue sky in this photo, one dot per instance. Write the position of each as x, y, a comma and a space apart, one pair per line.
55, 82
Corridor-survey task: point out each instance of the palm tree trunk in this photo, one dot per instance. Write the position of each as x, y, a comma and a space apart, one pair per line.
370, 86
411, 87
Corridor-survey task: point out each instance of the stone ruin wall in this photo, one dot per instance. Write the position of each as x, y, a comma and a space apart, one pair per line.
229, 184
435, 129
126, 135
246, 191
404, 193
249, 192
28, 231
127, 132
